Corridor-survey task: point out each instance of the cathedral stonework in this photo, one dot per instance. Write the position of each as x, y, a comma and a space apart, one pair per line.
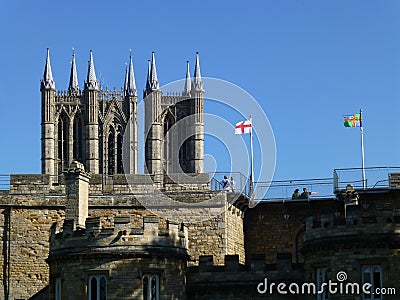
89, 125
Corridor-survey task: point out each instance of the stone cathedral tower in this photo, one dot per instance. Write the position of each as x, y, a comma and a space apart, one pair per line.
88, 125
169, 150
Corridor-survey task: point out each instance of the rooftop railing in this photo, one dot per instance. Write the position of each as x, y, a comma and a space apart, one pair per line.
282, 190
375, 177
278, 190
241, 183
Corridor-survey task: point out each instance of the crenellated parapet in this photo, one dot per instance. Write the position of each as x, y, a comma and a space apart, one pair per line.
256, 264
67, 96
211, 281
118, 236
356, 228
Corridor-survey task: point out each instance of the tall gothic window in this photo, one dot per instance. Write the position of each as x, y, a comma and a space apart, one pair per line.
57, 288
111, 152
78, 138
63, 126
372, 275
167, 150
120, 168
102, 152
151, 287
321, 279
184, 156
97, 287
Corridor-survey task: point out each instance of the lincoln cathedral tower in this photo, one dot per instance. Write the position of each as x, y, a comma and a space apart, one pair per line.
89, 125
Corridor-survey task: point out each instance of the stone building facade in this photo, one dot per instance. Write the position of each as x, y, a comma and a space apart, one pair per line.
303, 244
35, 211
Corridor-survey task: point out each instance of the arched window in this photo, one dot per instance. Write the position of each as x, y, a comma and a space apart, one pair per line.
97, 289
57, 288
93, 288
111, 152
372, 275
151, 287
168, 144
321, 279
184, 156
78, 138
62, 133
120, 167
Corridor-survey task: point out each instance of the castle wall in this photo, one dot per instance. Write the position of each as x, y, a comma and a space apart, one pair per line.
238, 281
218, 234
267, 232
364, 237
234, 232
123, 252
29, 244
124, 276
351, 260
36, 203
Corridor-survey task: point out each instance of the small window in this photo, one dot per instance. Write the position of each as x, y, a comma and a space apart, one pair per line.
151, 287
372, 275
57, 288
320, 274
97, 287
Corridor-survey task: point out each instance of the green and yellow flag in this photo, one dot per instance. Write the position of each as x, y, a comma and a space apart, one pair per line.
353, 120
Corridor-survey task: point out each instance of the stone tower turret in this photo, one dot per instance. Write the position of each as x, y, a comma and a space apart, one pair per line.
92, 126
153, 127
174, 125
130, 105
48, 90
73, 87
197, 149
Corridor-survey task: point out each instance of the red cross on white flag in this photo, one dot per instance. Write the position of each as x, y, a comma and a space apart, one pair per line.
243, 127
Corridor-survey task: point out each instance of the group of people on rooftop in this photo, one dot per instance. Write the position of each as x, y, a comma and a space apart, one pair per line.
304, 195
228, 185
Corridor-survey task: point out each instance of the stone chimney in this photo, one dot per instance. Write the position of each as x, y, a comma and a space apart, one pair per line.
77, 190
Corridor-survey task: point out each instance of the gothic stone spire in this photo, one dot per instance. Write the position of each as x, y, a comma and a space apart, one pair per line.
188, 84
197, 82
130, 85
48, 81
126, 78
154, 85
91, 82
148, 76
73, 86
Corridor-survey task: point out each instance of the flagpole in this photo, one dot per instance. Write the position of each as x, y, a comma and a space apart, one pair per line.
251, 158
362, 151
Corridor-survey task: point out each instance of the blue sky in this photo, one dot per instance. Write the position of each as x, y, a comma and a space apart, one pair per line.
306, 62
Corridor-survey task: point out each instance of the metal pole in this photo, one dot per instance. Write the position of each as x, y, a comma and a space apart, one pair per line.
362, 152
251, 157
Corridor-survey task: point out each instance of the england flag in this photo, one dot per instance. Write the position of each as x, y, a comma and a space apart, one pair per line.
243, 127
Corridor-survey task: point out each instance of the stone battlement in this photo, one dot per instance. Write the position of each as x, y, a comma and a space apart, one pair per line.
118, 236
234, 280
357, 226
256, 264
66, 97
